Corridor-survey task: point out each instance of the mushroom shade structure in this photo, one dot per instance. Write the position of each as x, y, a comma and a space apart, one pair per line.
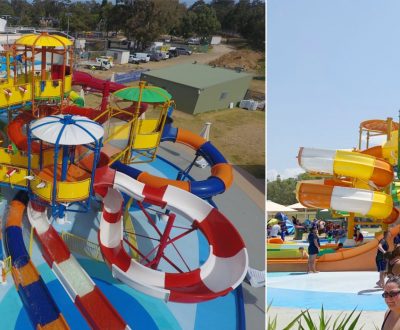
65, 133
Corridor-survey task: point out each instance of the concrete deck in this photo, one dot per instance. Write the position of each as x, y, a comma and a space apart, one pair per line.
243, 204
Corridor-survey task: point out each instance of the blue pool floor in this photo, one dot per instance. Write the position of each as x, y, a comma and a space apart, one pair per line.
332, 290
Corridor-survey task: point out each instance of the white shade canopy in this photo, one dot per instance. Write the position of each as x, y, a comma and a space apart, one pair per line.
275, 207
67, 130
298, 206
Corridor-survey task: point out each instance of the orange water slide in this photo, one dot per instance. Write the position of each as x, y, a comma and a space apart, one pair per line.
360, 258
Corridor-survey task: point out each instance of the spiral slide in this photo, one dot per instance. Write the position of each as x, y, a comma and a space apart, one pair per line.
364, 168
42, 310
221, 171
88, 298
360, 258
222, 272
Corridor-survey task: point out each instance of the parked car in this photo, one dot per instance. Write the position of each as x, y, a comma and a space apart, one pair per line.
165, 55
156, 56
193, 41
139, 58
172, 52
183, 51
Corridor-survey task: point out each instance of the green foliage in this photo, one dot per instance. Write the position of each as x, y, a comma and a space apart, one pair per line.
342, 322
282, 191
144, 20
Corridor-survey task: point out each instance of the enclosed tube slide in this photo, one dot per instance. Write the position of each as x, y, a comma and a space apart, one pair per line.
42, 310
222, 272
221, 171
88, 298
359, 258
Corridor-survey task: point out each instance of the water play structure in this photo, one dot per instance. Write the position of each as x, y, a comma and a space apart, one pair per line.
66, 159
361, 182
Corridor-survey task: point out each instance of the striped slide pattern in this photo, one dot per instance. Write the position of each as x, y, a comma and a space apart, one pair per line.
346, 163
94, 306
227, 262
369, 203
221, 171
38, 302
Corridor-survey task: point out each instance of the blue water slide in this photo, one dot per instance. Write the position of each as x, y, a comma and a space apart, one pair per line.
35, 296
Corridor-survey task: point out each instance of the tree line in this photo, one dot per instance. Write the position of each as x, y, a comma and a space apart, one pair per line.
283, 191
143, 20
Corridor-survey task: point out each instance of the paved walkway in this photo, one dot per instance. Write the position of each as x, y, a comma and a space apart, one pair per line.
339, 292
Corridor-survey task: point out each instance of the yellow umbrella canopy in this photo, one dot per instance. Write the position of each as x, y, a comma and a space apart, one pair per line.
43, 40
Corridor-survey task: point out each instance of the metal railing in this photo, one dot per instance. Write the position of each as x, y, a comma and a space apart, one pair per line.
82, 246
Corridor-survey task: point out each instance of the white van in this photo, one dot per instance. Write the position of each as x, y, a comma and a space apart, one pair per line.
139, 58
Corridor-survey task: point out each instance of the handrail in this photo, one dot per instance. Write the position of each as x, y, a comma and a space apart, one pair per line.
82, 246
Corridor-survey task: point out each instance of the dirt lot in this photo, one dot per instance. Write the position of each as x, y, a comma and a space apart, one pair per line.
239, 134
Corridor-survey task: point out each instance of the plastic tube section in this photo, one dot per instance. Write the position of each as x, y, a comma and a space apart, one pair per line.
42, 310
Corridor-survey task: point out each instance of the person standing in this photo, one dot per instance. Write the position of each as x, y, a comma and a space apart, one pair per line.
275, 230
391, 294
383, 247
313, 250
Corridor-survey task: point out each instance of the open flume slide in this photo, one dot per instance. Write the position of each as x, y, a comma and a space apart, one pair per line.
87, 80
218, 182
222, 272
42, 309
360, 258
94, 306
334, 195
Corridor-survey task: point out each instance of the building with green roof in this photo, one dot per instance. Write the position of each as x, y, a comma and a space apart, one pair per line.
198, 88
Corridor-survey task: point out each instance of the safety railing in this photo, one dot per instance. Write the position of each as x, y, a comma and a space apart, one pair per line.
7, 264
82, 246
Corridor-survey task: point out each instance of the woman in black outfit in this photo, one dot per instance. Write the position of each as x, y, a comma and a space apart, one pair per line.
313, 250
383, 247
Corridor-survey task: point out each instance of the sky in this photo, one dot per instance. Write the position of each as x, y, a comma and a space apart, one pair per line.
330, 66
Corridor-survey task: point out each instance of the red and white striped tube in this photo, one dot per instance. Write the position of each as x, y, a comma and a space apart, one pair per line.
224, 269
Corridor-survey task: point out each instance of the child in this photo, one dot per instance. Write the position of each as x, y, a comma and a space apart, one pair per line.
303, 253
339, 247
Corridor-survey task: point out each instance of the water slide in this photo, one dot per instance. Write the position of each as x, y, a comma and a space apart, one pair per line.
222, 272
221, 171
42, 309
91, 302
365, 171
360, 258
87, 80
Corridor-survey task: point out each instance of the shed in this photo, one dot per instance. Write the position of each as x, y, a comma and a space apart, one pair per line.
198, 88
120, 56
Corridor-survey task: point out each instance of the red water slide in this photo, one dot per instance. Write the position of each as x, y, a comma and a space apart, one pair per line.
87, 80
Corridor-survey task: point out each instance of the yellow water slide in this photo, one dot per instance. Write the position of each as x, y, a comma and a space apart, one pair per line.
357, 189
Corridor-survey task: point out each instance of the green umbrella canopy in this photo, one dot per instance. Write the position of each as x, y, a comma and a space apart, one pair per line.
150, 94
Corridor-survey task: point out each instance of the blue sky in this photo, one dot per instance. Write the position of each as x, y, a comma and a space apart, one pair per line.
331, 65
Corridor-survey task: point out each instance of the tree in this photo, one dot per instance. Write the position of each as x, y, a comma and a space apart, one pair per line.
222, 9
282, 191
253, 29
206, 22
148, 19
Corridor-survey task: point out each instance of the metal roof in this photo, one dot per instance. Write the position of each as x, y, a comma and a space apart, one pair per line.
196, 75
